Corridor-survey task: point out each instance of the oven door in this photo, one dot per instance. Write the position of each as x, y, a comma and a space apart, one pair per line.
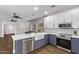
64, 43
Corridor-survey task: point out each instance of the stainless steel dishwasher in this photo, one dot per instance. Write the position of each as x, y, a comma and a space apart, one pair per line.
28, 45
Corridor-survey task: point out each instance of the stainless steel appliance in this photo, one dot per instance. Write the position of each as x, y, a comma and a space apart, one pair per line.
63, 41
28, 45
65, 25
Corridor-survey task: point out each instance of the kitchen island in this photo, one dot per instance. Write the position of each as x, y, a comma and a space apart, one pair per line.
19, 38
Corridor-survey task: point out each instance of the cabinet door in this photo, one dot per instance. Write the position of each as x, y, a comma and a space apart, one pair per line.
75, 20
75, 45
56, 21
46, 37
18, 46
48, 22
52, 39
39, 43
67, 17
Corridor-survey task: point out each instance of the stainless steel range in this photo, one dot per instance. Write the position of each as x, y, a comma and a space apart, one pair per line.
63, 41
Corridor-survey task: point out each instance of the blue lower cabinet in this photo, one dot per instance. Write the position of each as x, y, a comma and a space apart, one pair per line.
18, 46
46, 37
52, 39
75, 45
39, 43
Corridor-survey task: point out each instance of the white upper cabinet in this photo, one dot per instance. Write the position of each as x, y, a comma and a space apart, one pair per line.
48, 22
70, 16
75, 18
67, 18
53, 20
56, 21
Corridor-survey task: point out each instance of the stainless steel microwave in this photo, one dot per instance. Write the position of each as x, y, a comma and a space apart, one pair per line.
65, 25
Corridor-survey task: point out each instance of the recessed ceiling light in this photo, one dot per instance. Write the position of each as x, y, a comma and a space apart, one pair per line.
35, 8
46, 12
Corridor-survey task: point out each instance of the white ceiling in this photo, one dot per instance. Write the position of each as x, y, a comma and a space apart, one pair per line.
26, 11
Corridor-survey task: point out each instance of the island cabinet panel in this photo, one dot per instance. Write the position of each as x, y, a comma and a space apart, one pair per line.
52, 39
24, 46
39, 43
75, 45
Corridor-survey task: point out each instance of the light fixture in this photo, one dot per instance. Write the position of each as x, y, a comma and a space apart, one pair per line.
35, 8
45, 12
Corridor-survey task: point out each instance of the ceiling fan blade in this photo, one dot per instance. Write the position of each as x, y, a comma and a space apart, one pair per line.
20, 18
16, 16
13, 20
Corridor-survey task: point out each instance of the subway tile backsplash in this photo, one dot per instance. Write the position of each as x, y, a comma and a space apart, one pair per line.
58, 31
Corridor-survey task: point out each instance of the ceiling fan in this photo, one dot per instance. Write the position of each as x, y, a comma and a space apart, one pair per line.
15, 17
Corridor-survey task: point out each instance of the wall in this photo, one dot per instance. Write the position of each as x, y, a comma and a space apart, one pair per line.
41, 20
15, 27
36, 22
20, 28
27, 26
9, 28
51, 22
1, 29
